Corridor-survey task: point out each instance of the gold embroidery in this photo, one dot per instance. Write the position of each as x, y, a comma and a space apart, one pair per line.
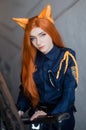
74, 69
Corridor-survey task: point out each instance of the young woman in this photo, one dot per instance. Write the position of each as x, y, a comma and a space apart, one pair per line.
49, 70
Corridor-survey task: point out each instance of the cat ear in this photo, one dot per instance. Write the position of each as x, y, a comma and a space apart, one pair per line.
46, 13
21, 21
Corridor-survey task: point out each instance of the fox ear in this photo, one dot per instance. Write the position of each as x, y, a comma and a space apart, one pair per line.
21, 21
46, 13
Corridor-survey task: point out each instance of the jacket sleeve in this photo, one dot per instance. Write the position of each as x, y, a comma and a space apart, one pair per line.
69, 85
23, 102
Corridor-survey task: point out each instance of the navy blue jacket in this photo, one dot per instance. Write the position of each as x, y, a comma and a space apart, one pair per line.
57, 91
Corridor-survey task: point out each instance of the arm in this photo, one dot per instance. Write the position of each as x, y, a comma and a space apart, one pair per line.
69, 86
23, 102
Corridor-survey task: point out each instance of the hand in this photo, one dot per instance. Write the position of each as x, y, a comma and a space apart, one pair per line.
21, 113
37, 114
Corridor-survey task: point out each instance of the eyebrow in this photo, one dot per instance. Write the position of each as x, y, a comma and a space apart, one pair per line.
31, 36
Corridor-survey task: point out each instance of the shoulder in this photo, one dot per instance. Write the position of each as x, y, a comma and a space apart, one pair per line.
71, 51
65, 54
69, 55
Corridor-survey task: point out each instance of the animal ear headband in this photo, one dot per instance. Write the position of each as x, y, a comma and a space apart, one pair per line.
45, 13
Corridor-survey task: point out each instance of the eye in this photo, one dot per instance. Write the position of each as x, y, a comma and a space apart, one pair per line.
43, 34
32, 39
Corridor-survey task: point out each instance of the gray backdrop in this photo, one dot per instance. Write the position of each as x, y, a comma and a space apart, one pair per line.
70, 19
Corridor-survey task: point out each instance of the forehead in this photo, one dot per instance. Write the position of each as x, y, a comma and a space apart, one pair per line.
36, 31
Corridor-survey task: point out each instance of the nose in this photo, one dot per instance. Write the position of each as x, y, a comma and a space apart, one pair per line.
38, 41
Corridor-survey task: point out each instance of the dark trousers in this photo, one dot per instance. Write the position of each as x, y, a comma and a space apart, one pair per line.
68, 124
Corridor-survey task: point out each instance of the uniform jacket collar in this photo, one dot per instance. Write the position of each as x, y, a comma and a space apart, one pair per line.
53, 54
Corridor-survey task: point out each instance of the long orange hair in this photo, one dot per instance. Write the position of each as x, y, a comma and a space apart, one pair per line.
29, 54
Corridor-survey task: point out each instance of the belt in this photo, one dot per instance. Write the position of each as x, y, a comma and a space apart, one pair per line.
46, 108
49, 107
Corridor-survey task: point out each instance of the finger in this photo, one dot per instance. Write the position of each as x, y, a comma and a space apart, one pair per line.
21, 113
38, 114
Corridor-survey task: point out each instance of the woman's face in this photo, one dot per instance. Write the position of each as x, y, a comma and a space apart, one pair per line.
41, 40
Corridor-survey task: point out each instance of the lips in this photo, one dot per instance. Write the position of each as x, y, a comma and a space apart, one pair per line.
41, 47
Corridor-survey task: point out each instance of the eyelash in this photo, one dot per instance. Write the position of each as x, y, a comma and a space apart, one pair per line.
43, 34
32, 39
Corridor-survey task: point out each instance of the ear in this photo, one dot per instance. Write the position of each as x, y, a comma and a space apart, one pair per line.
21, 21
46, 13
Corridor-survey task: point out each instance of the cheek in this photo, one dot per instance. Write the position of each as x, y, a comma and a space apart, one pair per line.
48, 39
34, 45
49, 42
